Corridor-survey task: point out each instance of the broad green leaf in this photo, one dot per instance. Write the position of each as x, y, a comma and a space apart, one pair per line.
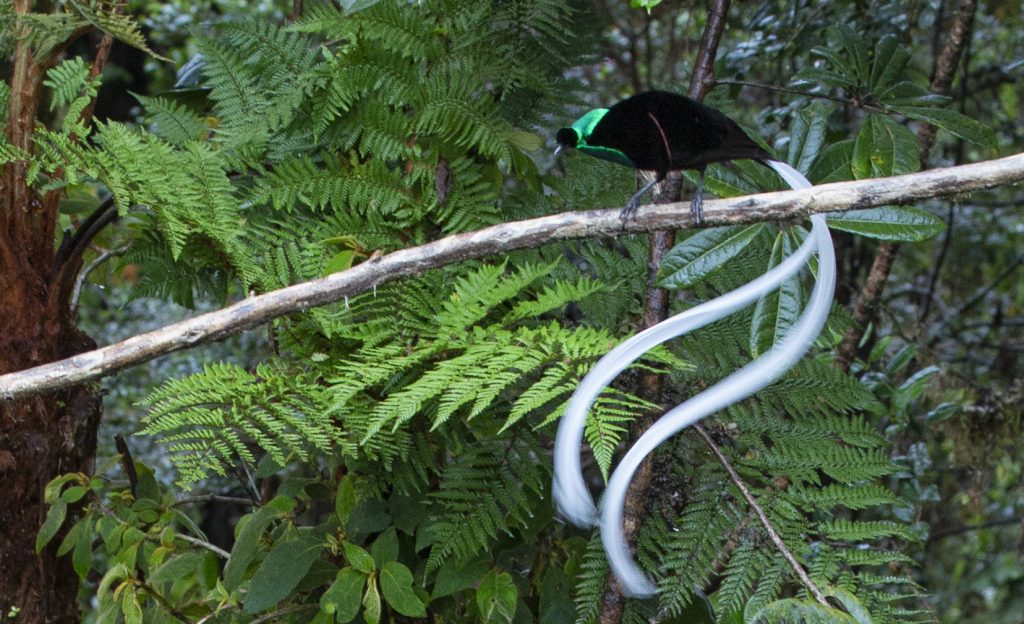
776, 313
942, 412
884, 148
345, 499
396, 584
371, 604
893, 223
853, 606
178, 567
496, 597
556, 605
952, 122
81, 558
698, 256
54, 518
843, 76
857, 53
53, 488
887, 65
69, 539
280, 572
385, 548
247, 545
74, 494
342, 598
340, 262
797, 610
911, 389
833, 164
358, 558
456, 575
807, 137
131, 608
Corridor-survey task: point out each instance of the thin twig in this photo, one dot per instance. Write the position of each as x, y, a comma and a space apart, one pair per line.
254, 311
990, 524
933, 281
223, 554
769, 87
761, 515
89, 268
149, 589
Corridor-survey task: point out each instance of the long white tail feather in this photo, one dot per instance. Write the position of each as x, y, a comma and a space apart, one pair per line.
571, 495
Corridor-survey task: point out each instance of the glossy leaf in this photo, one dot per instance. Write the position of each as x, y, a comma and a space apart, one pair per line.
247, 545
345, 500
952, 122
807, 137
342, 598
396, 584
901, 224
496, 597
776, 313
888, 63
371, 604
884, 148
833, 164
456, 575
385, 547
281, 571
358, 558
698, 256
54, 518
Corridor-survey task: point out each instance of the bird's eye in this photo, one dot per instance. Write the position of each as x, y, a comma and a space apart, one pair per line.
567, 137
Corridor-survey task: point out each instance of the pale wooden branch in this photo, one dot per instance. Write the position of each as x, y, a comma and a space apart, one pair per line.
257, 310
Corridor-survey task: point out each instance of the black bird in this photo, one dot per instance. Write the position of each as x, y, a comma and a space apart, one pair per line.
661, 132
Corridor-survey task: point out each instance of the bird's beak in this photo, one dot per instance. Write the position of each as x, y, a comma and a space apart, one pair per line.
558, 150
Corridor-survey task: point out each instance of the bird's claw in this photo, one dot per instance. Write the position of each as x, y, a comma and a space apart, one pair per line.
629, 212
697, 209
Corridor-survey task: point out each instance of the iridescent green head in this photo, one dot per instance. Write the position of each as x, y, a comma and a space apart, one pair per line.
576, 137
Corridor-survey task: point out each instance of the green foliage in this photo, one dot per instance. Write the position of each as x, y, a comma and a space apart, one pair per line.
208, 419
402, 435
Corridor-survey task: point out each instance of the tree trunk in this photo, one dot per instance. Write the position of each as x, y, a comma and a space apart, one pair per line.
40, 438
43, 436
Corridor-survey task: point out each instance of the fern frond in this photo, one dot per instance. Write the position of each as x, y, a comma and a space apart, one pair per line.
212, 417
484, 492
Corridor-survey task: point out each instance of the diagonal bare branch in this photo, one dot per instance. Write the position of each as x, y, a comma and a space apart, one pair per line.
257, 310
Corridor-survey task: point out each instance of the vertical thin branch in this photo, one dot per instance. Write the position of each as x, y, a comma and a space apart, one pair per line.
946, 63
761, 515
656, 305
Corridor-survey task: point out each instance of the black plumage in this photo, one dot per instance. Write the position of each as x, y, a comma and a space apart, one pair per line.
661, 132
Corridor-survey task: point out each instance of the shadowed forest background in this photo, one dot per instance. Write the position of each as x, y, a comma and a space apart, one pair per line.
387, 458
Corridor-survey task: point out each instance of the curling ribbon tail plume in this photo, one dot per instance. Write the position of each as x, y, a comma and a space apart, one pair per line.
572, 497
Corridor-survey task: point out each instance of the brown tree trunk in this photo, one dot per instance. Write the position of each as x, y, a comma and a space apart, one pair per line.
40, 437
43, 436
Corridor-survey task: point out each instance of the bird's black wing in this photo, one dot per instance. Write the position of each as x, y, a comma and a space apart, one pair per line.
631, 127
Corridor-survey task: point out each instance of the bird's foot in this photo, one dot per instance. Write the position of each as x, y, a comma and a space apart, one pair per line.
629, 212
697, 208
